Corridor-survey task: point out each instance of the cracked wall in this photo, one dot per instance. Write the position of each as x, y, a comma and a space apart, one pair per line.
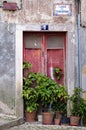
31, 15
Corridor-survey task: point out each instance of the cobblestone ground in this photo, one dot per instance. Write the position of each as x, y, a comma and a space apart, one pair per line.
27, 126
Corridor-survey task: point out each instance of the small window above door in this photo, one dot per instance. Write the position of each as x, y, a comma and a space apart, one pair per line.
32, 41
55, 42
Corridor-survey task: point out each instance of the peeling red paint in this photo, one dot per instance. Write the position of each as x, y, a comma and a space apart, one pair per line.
43, 59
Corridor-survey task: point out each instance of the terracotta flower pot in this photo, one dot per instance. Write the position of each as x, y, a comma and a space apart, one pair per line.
47, 118
57, 121
30, 116
58, 114
74, 120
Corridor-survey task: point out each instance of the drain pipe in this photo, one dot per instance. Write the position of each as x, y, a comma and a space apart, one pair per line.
79, 50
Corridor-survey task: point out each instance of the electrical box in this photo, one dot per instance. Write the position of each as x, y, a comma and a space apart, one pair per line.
11, 6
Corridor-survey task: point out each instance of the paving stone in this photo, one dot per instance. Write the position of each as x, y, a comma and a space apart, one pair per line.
34, 126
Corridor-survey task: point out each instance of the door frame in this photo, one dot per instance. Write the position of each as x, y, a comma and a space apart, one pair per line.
19, 60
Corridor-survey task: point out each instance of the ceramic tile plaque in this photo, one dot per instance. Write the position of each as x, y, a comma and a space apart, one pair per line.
62, 9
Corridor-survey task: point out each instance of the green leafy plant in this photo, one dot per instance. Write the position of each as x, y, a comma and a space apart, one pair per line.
78, 103
30, 80
30, 96
60, 103
26, 68
58, 73
27, 65
43, 90
51, 94
47, 90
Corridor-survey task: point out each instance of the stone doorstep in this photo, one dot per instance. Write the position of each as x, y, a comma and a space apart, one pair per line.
35, 126
7, 124
19, 124
52, 127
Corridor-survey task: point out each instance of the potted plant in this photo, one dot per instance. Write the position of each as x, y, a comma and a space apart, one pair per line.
30, 96
60, 104
53, 96
48, 93
78, 109
47, 90
60, 108
40, 83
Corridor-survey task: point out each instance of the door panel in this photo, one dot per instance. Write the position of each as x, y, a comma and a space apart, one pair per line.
55, 59
55, 55
34, 57
32, 50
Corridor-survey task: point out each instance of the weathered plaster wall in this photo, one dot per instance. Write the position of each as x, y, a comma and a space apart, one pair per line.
17, 1
29, 17
83, 45
83, 58
83, 12
7, 67
38, 11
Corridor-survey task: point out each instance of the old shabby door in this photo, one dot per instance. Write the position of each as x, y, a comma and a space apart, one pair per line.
56, 55
45, 51
32, 50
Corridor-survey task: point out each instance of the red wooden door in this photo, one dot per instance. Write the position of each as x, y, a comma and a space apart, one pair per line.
56, 55
32, 50
45, 51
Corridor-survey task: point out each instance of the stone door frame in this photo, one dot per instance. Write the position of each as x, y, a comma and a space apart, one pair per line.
70, 44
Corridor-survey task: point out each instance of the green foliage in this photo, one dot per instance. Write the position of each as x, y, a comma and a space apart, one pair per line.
30, 80
32, 107
27, 65
30, 96
58, 73
26, 68
47, 90
63, 94
60, 103
50, 93
60, 106
78, 103
40, 89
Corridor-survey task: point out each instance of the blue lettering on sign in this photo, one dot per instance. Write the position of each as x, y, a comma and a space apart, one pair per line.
62, 9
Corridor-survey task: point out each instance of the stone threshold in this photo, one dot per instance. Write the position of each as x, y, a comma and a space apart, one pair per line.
53, 127
37, 126
20, 124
